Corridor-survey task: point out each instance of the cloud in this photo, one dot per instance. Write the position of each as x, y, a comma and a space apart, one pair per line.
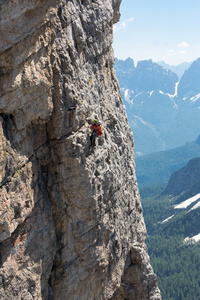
183, 45
170, 53
175, 56
122, 25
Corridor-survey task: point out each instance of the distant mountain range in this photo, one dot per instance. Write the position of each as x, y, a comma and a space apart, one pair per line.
179, 69
163, 109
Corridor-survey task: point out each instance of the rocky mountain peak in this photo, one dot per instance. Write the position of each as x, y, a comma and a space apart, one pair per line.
71, 222
124, 65
149, 76
146, 77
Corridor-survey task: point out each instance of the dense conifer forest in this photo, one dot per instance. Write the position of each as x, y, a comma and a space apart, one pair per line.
175, 262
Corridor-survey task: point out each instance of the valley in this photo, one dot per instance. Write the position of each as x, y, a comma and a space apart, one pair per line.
173, 244
163, 109
172, 216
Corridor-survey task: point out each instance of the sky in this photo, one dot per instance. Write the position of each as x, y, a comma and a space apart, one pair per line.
161, 30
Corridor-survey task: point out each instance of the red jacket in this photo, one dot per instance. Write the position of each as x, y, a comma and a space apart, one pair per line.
97, 128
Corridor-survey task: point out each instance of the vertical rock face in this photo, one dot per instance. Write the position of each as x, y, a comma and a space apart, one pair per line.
71, 223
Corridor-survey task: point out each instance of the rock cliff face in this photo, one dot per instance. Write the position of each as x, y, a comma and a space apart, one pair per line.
71, 223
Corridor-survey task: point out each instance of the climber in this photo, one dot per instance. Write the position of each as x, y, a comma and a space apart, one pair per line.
96, 131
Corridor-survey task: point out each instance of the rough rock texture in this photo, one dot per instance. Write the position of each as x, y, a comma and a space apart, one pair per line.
71, 223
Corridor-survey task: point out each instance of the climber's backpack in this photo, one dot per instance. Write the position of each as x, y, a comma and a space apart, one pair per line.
99, 129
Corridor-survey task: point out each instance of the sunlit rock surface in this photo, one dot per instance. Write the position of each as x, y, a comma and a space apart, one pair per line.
71, 223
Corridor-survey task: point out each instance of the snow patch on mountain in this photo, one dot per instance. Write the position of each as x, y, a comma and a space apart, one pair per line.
139, 153
187, 202
176, 89
166, 220
139, 94
172, 96
127, 95
197, 205
195, 98
175, 94
145, 123
192, 240
150, 93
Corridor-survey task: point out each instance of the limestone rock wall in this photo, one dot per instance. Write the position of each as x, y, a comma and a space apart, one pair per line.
71, 223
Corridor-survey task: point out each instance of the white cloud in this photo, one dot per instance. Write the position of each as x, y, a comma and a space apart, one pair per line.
122, 25
182, 52
169, 54
183, 45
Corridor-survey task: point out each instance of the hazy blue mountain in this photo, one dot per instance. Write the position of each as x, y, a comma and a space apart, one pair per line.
179, 69
155, 169
147, 76
189, 85
186, 179
163, 110
124, 70
124, 65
